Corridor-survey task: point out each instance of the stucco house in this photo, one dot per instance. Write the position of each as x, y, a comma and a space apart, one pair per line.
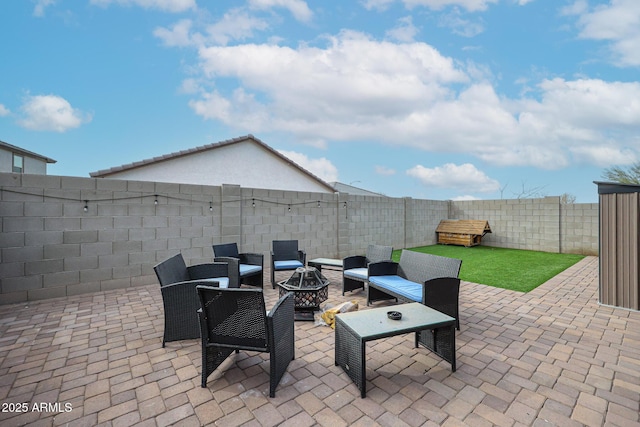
18, 160
244, 161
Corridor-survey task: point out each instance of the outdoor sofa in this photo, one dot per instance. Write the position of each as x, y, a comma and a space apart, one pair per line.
429, 279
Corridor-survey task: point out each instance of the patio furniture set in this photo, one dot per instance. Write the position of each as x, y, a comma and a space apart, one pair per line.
207, 301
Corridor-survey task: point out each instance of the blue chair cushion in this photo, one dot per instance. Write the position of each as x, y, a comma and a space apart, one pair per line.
246, 269
287, 264
406, 288
361, 273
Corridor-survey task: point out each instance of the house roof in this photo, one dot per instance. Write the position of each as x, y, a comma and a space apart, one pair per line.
346, 188
24, 152
106, 172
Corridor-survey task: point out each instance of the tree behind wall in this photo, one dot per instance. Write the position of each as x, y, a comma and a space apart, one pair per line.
630, 175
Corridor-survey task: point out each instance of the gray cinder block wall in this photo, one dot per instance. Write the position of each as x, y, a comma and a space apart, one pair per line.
63, 236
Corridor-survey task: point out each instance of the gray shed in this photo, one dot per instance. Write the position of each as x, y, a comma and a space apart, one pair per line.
619, 244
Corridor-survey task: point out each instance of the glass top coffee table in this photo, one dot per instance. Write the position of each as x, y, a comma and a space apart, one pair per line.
434, 330
310, 288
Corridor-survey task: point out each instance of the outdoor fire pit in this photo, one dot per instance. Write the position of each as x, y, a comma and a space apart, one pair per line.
310, 289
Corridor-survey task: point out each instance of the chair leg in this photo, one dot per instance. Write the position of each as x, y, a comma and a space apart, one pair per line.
212, 357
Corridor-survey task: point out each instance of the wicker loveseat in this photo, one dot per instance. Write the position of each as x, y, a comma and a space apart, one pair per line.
429, 279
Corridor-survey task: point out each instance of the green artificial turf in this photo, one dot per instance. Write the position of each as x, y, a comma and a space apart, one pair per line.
514, 269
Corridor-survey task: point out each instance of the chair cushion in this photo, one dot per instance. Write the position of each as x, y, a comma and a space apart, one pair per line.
223, 281
357, 273
247, 269
406, 288
287, 265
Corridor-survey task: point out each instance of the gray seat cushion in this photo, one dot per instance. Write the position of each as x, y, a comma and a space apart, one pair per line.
357, 273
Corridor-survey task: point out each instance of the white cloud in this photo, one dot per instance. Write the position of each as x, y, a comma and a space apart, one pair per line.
173, 6
189, 86
41, 5
298, 8
408, 94
356, 85
470, 5
385, 171
405, 31
605, 156
576, 8
178, 35
463, 177
322, 168
4, 111
50, 113
586, 102
379, 5
618, 22
235, 24
459, 25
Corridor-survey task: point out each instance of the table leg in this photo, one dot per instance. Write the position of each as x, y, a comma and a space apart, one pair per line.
441, 341
350, 355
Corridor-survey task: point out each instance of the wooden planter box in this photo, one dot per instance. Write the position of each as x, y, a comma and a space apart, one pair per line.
464, 232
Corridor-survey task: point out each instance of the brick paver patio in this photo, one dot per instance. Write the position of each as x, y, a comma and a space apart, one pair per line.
549, 357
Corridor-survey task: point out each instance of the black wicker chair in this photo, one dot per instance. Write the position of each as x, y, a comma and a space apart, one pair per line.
250, 266
178, 287
236, 319
285, 255
354, 268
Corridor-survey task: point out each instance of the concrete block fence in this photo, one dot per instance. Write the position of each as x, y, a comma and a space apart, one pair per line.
68, 235
535, 224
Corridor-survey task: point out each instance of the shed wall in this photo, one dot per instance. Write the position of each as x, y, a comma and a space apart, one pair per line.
619, 217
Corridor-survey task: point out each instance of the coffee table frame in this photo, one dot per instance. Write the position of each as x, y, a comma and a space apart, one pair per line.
326, 262
433, 330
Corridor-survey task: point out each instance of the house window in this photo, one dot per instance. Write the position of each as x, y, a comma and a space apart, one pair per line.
18, 163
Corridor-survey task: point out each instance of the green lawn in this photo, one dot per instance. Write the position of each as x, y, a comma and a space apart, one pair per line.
513, 269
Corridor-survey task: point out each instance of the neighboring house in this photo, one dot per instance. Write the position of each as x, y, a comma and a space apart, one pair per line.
18, 160
356, 191
244, 161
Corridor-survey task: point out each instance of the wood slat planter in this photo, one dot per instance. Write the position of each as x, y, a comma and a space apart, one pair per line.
464, 232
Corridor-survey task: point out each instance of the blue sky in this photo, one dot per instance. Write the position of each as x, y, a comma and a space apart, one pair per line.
436, 99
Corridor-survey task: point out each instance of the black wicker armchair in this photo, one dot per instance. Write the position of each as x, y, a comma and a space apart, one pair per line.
236, 319
178, 287
354, 268
285, 255
250, 265
443, 294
